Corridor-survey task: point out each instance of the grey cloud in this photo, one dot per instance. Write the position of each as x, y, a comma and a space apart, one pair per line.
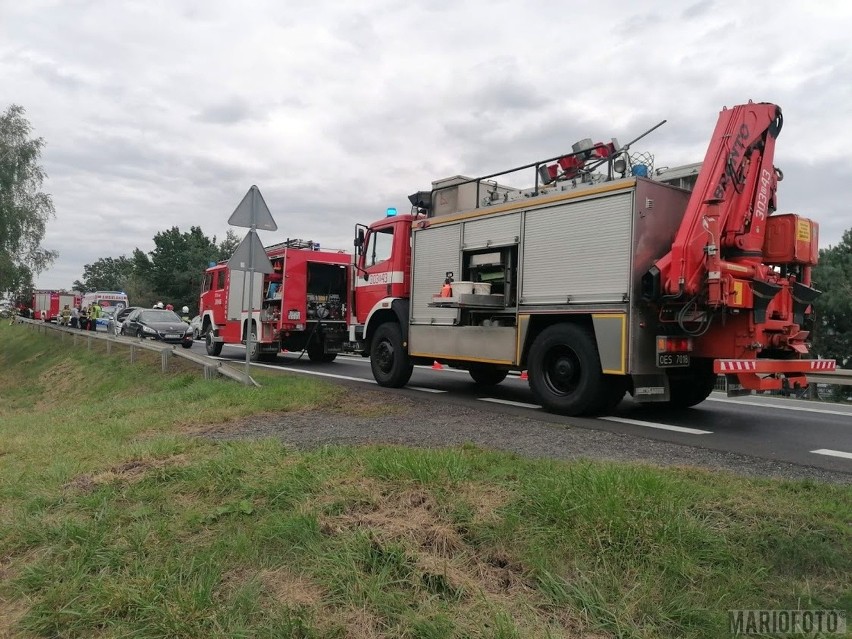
230, 111
636, 23
698, 9
820, 191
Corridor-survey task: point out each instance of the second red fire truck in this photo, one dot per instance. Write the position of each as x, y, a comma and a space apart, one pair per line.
301, 306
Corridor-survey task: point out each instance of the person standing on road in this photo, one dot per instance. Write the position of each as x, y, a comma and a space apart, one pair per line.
65, 316
84, 318
75, 317
184, 314
94, 314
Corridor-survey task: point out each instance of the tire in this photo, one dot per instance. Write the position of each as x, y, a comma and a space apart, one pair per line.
391, 365
691, 386
616, 388
254, 356
316, 354
487, 375
213, 348
315, 349
565, 372
140, 334
186, 344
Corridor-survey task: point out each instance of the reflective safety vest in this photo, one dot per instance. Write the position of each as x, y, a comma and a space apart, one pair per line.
94, 311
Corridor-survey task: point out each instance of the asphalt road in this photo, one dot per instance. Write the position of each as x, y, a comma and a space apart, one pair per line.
772, 428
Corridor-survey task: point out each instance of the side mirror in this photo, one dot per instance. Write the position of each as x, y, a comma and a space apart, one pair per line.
359, 241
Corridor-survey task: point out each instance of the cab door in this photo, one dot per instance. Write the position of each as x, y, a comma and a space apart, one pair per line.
383, 266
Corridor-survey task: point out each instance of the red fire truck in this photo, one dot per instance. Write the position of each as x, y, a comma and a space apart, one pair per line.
51, 303
600, 278
301, 305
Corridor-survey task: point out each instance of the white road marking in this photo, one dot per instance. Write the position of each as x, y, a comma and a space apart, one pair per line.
807, 409
304, 372
832, 453
508, 402
677, 429
332, 375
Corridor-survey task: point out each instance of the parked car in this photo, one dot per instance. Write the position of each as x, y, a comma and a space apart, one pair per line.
107, 318
119, 318
158, 324
195, 325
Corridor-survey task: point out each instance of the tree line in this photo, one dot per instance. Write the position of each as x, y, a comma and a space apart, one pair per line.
172, 272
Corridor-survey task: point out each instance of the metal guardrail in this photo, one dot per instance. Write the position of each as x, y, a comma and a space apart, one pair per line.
838, 378
210, 367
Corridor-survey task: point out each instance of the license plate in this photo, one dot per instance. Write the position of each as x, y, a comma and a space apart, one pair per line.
172, 336
672, 360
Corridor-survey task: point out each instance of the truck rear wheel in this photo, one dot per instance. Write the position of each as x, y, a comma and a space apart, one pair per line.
316, 352
565, 372
691, 386
390, 362
254, 355
213, 348
487, 375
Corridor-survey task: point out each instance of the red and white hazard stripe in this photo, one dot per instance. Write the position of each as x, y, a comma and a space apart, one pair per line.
774, 366
737, 365
823, 365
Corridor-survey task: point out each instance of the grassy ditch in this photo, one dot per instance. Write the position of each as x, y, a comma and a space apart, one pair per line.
115, 522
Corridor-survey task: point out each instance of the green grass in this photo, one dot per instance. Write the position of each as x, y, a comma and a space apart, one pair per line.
116, 521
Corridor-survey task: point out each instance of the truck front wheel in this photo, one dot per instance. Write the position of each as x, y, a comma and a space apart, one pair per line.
565, 371
213, 348
390, 362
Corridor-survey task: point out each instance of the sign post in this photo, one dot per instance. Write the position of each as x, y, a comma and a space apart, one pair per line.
250, 255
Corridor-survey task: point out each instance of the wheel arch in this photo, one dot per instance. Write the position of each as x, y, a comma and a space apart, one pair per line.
253, 326
538, 322
208, 323
388, 310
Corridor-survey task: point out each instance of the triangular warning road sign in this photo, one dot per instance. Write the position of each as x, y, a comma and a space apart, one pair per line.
250, 255
252, 211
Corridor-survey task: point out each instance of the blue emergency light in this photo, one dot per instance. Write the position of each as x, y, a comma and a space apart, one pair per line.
391, 211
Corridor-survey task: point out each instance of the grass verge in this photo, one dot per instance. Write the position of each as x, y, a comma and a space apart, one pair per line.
114, 523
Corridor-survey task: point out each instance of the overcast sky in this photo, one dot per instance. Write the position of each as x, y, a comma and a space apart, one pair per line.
162, 113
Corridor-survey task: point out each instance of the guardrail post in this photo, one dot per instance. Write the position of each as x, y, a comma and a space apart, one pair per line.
75, 339
89, 340
164, 358
109, 346
132, 354
209, 372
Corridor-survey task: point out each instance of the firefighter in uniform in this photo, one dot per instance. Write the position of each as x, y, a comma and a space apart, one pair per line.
94, 314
